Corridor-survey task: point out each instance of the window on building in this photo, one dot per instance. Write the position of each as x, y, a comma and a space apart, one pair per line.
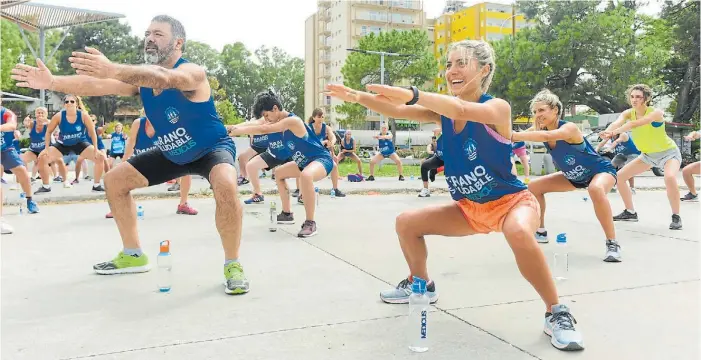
363, 30
494, 37
499, 22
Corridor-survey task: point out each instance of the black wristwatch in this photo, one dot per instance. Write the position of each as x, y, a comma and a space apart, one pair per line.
415, 99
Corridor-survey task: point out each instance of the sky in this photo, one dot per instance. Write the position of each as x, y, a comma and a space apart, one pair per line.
219, 22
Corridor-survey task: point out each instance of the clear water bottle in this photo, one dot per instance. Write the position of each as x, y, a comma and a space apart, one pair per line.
165, 266
417, 325
316, 193
22, 201
561, 258
140, 212
273, 217
412, 177
333, 193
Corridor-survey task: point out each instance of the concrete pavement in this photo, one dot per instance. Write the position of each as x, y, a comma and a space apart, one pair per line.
318, 298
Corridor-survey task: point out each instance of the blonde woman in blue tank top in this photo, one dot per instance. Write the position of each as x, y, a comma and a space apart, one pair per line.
487, 197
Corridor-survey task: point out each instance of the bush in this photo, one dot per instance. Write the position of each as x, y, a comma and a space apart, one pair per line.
24, 143
404, 153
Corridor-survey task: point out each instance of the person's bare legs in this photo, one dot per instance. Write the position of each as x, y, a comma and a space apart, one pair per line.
688, 174
398, 162
314, 171
99, 159
526, 166
671, 169
628, 171
283, 172
334, 174
253, 166
357, 162
56, 157
22, 177
229, 214
244, 157
546, 184
598, 189
79, 165
375, 159
185, 185
118, 186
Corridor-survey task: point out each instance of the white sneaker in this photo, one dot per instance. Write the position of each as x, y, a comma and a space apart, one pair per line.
425, 193
5, 228
67, 185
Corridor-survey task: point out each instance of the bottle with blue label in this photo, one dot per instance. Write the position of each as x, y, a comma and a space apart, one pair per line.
165, 266
273, 217
417, 326
22, 200
140, 212
561, 258
333, 193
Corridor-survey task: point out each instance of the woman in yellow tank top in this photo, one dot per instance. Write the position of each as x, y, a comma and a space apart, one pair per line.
658, 150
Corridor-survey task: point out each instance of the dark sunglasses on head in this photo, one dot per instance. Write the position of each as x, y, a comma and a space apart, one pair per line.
70, 101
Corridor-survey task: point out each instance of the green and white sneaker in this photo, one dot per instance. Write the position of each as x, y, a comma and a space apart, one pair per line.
236, 282
123, 264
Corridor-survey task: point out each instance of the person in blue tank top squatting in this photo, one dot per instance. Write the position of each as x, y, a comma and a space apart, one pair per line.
81, 160
581, 167
190, 137
259, 144
690, 170
519, 149
323, 132
37, 143
386, 148
487, 197
625, 151
10, 160
348, 150
429, 167
312, 162
657, 149
118, 144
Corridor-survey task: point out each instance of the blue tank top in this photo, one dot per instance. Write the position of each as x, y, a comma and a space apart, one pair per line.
72, 134
260, 141
386, 146
118, 143
348, 146
439, 147
518, 145
143, 142
627, 148
477, 165
184, 130
578, 162
276, 146
304, 149
323, 135
100, 144
37, 140
8, 137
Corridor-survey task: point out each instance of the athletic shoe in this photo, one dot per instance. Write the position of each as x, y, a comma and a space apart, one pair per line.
690, 197
308, 229
236, 282
370, 178
613, 251
242, 181
295, 193
174, 187
75, 181
285, 218
632, 190
425, 193
255, 199
58, 179
67, 185
109, 215
42, 190
5, 228
123, 264
401, 177
559, 325
541, 237
186, 209
613, 190
32, 180
626, 216
339, 193
98, 188
400, 294
32, 207
300, 200
88, 177
676, 222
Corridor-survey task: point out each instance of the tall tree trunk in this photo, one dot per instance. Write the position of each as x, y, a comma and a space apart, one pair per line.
685, 102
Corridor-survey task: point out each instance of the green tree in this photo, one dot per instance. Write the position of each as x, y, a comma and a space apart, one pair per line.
226, 110
681, 73
284, 74
586, 54
361, 69
239, 78
203, 55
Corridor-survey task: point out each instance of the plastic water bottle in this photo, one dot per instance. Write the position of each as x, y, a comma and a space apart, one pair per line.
140, 212
22, 200
412, 177
273, 217
333, 193
417, 325
165, 265
561, 258
316, 193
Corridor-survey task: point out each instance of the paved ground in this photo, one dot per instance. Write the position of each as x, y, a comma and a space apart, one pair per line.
318, 298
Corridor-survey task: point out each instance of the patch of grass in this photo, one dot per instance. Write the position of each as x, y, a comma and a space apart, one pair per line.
389, 170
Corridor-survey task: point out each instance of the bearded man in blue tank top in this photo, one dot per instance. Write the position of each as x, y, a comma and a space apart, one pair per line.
311, 162
190, 137
581, 167
487, 197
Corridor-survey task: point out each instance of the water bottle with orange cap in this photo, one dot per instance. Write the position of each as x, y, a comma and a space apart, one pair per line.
165, 265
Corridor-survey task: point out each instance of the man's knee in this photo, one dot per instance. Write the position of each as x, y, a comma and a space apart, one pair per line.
404, 221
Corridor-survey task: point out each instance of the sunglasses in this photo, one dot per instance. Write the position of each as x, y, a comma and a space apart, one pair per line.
70, 101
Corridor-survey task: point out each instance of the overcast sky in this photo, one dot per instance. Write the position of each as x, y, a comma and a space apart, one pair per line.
218, 22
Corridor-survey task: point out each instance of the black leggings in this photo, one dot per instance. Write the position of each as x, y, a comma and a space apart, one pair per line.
432, 163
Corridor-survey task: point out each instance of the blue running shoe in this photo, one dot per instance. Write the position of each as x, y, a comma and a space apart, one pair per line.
32, 207
559, 325
400, 294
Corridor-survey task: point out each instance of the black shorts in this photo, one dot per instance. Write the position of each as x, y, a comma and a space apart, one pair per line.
259, 150
272, 161
116, 155
157, 169
585, 184
35, 152
67, 149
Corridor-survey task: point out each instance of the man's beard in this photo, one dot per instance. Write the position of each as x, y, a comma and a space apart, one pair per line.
160, 56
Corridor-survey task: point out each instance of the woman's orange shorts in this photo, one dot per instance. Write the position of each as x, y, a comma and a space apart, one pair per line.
489, 217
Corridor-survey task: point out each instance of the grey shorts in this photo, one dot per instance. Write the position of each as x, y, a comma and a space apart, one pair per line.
620, 160
659, 159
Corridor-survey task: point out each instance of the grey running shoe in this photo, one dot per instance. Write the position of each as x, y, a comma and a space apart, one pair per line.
613, 251
541, 237
559, 325
690, 197
676, 222
400, 294
295, 193
41, 190
285, 218
174, 187
626, 216
308, 229
338, 193
98, 188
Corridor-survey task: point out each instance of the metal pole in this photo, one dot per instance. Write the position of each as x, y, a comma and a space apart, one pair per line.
382, 81
42, 53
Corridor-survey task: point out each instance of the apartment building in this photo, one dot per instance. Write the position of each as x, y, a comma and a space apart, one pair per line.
338, 25
483, 21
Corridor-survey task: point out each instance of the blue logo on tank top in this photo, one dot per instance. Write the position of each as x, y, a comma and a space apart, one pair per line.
471, 149
475, 185
172, 114
569, 160
291, 145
